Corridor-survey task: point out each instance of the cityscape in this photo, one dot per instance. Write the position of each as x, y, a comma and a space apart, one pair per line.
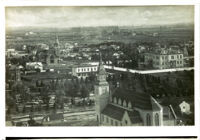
92, 66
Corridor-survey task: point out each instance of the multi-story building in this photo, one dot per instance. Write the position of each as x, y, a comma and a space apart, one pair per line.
164, 59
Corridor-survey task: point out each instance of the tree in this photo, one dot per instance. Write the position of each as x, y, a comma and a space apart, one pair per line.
84, 93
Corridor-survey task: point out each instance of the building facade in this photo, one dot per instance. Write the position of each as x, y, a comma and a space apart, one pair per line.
164, 59
84, 70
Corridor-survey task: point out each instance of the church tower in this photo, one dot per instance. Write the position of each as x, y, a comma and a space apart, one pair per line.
57, 46
101, 91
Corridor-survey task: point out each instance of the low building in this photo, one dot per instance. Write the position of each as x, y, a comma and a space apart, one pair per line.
84, 70
34, 66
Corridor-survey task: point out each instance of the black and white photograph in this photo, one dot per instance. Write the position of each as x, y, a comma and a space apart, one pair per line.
99, 65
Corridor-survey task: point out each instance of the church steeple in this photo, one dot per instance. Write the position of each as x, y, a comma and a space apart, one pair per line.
101, 78
57, 41
56, 44
101, 90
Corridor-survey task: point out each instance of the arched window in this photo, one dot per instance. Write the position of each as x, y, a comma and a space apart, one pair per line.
51, 59
157, 119
148, 120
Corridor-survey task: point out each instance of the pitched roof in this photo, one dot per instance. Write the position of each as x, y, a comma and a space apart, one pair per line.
135, 116
113, 112
140, 100
117, 113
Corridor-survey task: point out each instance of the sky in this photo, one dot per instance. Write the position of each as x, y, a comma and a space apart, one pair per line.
98, 16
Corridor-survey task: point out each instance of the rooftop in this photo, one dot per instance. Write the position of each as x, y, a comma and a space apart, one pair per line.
140, 100
118, 112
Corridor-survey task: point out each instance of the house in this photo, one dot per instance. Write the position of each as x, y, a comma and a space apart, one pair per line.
164, 58
10, 52
126, 107
185, 107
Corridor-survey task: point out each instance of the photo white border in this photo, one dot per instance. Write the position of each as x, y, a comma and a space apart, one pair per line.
97, 131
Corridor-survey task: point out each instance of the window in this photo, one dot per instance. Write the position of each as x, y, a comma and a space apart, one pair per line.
180, 62
115, 100
180, 56
148, 120
172, 57
120, 102
129, 105
102, 117
126, 122
116, 123
111, 122
157, 119
177, 62
124, 104
87, 69
163, 57
107, 120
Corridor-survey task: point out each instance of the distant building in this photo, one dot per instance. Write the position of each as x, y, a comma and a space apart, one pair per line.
84, 70
124, 107
164, 59
10, 52
34, 66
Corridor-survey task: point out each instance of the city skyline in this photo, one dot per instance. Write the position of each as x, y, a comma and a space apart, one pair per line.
98, 16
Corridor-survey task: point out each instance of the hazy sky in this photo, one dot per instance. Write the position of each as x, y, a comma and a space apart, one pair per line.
98, 16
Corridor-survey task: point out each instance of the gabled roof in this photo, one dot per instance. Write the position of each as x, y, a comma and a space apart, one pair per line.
135, 116
117, 113
113, 112
139, 100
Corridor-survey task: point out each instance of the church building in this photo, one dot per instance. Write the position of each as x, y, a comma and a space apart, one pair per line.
126, 107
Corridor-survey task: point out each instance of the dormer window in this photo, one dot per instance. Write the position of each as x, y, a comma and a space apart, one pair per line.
120, 102
129, 105
124, 103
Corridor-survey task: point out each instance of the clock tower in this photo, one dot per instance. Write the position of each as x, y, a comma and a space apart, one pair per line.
101, 91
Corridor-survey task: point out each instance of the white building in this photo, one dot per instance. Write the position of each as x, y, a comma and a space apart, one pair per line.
34, 66
84, 70
185, 107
